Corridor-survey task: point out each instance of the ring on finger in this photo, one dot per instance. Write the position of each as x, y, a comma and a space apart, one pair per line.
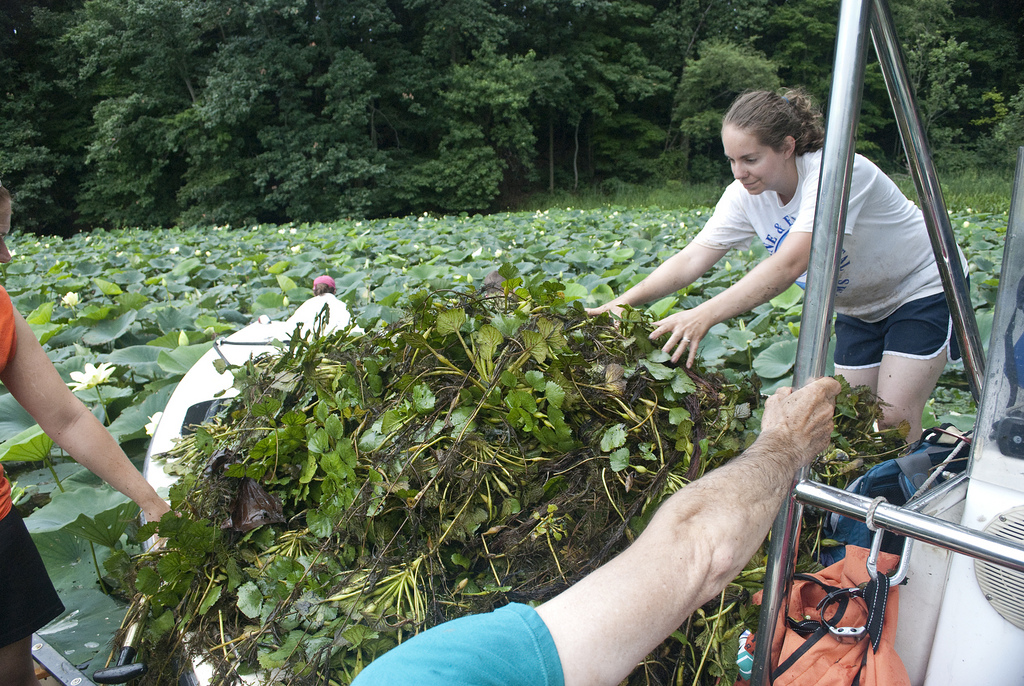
685, 339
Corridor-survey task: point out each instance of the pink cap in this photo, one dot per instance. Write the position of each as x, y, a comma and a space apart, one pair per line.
324, 280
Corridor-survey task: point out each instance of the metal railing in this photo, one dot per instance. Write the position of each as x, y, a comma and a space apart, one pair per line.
920, 527
855, 17
915, 144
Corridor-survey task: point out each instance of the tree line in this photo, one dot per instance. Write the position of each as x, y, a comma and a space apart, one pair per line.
202, 112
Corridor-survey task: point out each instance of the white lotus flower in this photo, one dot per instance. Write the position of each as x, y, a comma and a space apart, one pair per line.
92, 376
70, 299
153, 421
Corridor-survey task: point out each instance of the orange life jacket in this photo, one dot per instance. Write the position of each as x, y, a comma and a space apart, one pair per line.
8, 344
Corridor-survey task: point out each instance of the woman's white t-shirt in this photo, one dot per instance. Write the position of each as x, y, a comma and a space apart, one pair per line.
887, 258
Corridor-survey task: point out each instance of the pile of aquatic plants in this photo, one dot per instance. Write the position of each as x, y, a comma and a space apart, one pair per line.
489, 447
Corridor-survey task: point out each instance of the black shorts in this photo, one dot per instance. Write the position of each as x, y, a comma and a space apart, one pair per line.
28, 600
919, 329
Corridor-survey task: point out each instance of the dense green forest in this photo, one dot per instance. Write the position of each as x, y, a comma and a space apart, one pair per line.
203, 112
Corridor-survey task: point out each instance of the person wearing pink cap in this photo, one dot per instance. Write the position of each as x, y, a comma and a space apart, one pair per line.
323, 285
323, 303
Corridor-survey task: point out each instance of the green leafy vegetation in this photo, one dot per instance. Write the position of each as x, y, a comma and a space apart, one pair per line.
487, 448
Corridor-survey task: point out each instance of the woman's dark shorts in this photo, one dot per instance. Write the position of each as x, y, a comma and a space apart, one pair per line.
28, 600
920, 329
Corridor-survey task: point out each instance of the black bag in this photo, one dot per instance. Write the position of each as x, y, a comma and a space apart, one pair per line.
897, 480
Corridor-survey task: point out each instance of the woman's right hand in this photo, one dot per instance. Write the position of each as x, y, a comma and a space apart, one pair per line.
155, 509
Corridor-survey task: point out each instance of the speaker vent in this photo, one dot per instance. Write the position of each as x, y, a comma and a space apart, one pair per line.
1004, 588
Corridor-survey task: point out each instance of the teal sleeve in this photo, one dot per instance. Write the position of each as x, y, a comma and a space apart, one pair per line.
508, 647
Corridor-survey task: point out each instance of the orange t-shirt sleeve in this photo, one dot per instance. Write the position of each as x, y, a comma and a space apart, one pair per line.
8, 344
8, 337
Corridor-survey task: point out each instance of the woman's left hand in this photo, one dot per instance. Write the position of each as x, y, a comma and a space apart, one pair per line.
687, 329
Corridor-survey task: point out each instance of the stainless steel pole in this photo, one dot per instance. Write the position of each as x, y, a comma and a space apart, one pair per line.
920, 527
816, 322
915, 145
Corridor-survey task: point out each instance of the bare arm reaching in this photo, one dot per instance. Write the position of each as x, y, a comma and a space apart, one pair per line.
770, 277
677, 272
35, 384
698, 541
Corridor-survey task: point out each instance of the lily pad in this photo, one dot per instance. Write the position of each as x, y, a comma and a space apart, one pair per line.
132, 422
13, 417
109, 329
83, 633
181, 359
776, 360
66, 506
28, 446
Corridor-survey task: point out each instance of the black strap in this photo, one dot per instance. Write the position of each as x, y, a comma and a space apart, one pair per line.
860, 670
876, 594
815, 580
818, 634
1008, 343
804, 627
